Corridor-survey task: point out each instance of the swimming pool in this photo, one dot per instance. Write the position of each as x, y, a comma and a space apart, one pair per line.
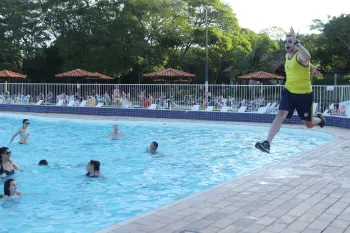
196, 156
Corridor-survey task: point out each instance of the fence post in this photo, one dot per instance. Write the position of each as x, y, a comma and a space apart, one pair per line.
335, 79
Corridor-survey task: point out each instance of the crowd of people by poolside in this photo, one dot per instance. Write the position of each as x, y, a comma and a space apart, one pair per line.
129, 98
8, 167
113, 98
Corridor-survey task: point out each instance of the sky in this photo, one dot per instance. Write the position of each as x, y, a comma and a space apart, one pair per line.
258, 14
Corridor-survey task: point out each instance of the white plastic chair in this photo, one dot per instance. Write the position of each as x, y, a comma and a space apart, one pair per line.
264, 109
71, 103
347, 111
195, 107
224, 109
242, 109
59, 103
209, 109
126, 104
83, 103
152, 106
272, 108
39, 102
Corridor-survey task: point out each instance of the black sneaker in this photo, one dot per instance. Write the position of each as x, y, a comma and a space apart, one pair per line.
323, 121
263, 146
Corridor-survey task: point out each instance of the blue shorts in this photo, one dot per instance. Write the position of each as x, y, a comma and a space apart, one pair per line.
303, 103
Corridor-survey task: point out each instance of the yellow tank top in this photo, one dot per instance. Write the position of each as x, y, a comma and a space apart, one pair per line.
298, 76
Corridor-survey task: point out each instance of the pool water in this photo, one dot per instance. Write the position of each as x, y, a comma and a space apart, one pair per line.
193, 157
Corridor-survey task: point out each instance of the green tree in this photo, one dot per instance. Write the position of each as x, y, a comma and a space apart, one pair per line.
262, 53
333, 44
21, 32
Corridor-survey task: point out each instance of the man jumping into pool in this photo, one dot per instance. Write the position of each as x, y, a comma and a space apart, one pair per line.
297, 93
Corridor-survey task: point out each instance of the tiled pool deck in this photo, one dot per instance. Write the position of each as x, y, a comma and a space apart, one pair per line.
308, 193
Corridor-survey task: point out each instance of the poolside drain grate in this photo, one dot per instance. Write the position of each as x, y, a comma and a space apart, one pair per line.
188, 231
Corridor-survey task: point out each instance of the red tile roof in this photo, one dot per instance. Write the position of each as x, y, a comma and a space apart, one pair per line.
103, 76
78, 73
10, 74
170, 73
260, 75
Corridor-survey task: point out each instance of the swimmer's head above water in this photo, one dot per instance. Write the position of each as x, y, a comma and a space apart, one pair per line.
10, 188
7, 166
115, 134
25, 123
43, 162
93, 168
5, 154
153, 147
116, 128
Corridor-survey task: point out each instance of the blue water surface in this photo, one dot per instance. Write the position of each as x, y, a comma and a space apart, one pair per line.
193, 157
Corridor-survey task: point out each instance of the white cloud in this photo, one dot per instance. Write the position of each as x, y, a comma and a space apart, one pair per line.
258, 14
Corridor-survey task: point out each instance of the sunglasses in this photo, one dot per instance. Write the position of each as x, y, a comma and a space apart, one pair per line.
289, 41
7, 153
27, 123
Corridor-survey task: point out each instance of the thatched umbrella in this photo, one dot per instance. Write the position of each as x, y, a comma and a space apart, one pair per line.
170, 76
260, 76
6, 75
79, 74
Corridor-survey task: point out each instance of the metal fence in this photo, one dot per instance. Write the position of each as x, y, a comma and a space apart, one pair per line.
174, 96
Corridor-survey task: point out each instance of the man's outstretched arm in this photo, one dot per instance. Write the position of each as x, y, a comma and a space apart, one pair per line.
304, 55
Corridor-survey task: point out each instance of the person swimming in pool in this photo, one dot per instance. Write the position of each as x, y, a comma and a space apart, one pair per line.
115, 134
23, 132
43, 162
10, 189
152, 148
7, 167
93, 169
